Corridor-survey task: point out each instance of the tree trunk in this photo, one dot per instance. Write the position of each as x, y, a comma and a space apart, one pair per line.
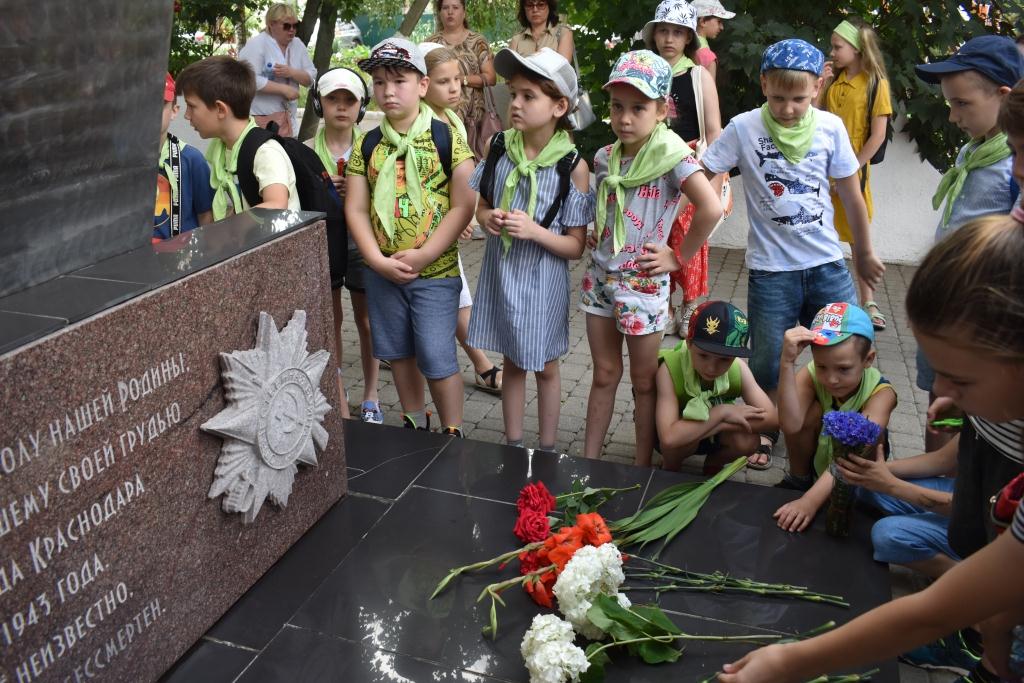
321, 60
412, 17
241, 32
308, 21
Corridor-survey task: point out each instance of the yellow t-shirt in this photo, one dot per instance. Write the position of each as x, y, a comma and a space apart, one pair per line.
413, 229
848, 99
271, 166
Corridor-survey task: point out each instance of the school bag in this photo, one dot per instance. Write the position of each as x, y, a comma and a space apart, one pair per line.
440, 133
563, 167
312, 182
879, 155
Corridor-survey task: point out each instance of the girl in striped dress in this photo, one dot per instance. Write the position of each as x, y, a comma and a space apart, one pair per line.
522, 297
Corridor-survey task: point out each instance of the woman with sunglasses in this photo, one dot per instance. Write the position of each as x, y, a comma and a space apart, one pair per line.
541, 28
281, 63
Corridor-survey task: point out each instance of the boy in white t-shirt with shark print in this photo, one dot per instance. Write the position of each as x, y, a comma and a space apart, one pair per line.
787, 151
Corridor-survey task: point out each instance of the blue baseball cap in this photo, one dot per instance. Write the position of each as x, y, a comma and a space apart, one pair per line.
793, 54
835, 323
995, 57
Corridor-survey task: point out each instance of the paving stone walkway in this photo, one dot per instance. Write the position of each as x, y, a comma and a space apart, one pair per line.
728, 281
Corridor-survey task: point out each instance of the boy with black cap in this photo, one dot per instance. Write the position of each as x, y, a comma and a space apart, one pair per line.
974, 82
839, 378
698, 383
405, 214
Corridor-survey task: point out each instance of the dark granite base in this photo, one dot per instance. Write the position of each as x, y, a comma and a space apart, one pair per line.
440, 502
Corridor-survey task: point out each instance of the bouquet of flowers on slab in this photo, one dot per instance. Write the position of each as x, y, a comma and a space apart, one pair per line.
851, 434
578, 570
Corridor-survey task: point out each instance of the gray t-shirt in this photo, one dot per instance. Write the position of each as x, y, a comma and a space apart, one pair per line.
987, 191
650, 211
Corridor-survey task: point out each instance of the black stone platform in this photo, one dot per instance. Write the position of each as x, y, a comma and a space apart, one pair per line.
349, 601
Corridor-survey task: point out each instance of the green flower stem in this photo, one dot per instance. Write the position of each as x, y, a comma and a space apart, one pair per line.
760, 640
606, 489
452, 574
494, 590
682, 579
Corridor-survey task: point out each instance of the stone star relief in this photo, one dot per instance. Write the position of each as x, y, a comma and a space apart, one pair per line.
273, 417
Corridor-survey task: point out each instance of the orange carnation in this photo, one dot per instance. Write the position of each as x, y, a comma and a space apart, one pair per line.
595, 531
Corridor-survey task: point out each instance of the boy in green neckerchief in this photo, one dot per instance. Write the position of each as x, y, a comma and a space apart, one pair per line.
698, 383
840, 377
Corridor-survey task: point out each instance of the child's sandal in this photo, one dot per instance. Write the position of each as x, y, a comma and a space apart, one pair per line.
488, 380
877, 319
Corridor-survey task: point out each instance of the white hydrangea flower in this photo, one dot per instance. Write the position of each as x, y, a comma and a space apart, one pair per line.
592, 571
549, 652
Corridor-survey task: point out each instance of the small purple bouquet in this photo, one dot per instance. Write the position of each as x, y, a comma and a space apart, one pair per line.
851, 434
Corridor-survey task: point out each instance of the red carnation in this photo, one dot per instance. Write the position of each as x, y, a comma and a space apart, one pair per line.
536, 497
532, 526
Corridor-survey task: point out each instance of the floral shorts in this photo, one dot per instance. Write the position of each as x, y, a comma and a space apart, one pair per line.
638, 302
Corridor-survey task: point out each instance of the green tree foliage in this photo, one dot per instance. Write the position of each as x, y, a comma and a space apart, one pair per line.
215, 21
910, 31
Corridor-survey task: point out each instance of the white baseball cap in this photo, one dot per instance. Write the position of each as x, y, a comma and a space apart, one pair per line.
341, 79
427, 48
544, 62
678, 12
711, 8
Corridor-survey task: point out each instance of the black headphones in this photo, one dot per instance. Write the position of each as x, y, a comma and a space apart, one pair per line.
318, 107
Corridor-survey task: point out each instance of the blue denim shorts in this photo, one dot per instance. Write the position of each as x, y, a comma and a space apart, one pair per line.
416, 319
908, 533
778, 301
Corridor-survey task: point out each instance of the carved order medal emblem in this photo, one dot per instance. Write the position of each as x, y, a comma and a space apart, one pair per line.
273, 418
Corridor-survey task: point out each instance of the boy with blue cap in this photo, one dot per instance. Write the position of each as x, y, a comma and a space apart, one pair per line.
787, 151
974, 82
839, 378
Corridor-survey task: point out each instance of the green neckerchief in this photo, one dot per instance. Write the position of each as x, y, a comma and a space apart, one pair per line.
386, 189
682, 66
558, 146
985, 153
324, 152
794, 142
680, 368
223, 166
659, 155
849, 33
702, 41
165, 164
868, 383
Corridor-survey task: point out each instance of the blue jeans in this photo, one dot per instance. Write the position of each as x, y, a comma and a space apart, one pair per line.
909, 533
777, 301
416, 319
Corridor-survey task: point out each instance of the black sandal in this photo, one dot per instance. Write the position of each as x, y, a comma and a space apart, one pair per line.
488, 380
764, 449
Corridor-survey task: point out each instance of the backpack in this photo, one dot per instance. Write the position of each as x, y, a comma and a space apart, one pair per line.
564, 168
312, 182
879, 155
440, 133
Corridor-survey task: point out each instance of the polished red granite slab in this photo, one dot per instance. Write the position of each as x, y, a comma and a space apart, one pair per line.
113, 559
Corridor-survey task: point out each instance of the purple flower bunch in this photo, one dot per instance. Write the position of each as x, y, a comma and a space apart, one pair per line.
850, 428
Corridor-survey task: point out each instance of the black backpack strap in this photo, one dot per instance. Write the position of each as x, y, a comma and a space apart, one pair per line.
174, 148
247, 181
441, 134
490, 164
369, 143
564, 167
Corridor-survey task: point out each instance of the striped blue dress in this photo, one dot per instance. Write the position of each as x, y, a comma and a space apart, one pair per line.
521, 306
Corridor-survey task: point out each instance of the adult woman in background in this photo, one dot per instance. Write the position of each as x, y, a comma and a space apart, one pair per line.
541, 28
474, 55
281, 63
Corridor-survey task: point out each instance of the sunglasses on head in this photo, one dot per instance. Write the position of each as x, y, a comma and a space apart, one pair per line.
290, 27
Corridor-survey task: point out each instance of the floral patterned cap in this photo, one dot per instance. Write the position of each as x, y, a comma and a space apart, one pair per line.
838, 322
645, 71
678, 12
793, 54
